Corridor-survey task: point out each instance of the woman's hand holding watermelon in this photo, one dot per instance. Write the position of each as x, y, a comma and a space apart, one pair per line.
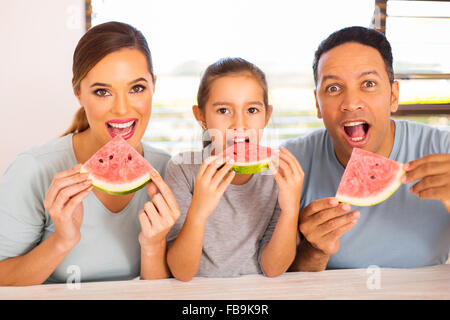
433, 171
210, 184
159, 214
63, 201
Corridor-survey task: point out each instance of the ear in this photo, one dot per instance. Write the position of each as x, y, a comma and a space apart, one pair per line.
319, 113
269, 110
154, 83
77, 95
394, 96
198, 114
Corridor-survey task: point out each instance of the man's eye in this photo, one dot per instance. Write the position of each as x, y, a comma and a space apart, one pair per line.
102, 92
137, 88
369, 84
332, 89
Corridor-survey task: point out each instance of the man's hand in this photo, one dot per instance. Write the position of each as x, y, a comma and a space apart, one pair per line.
433, 171
323, 222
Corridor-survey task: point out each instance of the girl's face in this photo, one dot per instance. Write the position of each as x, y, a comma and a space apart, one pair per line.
235, 110
117, 97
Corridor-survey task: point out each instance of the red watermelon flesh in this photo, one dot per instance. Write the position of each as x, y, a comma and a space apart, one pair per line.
369, 178
117, 168
248, 157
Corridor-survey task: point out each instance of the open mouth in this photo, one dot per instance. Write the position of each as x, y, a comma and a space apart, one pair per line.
121, 127
356, 132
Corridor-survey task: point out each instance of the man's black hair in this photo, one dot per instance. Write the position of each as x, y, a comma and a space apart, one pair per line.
365, 36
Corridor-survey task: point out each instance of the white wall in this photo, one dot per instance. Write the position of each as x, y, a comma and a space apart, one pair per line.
37, 40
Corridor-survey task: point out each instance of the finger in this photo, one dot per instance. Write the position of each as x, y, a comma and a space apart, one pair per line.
440, 193
152, 189
337, 233
286, 169
430, 182
319, 205
226, 182
144, 221
336, 223
161, 205
275, 173
293, 161
165, 191
211, 170
205, 164
428, 158
328, 214
77, 199
61, 183
67, 193
152, 213
221, 173
70, 172
426, 169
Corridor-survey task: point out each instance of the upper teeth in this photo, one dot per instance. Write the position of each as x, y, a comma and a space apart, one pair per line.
354, 123
121, 125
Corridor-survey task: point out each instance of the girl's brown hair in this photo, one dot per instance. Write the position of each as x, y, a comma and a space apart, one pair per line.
224, 67
96, 43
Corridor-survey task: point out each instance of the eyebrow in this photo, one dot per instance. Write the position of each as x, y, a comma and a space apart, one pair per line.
335, 77
223, 103
101, 84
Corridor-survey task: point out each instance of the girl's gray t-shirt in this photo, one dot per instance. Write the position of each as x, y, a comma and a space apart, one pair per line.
241, 225
109, 248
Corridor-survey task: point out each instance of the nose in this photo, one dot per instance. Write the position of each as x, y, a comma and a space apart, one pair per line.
239, 122
352, 101
120, 104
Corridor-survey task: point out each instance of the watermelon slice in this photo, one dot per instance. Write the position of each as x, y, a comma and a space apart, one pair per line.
248, 158
117, 168
369, 179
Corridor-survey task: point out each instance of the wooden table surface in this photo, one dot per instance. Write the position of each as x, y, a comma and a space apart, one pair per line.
421, 283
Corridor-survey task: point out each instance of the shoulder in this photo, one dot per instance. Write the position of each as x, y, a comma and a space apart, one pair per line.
52, 156
423, 136
158, 158
188, 162
305, 145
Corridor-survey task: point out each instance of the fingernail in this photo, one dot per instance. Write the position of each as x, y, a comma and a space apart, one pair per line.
406, 166
153, 173
334, 202
404, 179
356, 214
346, 206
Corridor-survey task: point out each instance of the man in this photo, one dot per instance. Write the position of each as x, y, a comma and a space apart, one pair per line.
355, 95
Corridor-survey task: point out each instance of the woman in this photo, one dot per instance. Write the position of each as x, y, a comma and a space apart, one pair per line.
53, 225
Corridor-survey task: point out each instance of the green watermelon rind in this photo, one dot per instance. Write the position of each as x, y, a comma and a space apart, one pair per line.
366, 202
250, 169
120, 193
129, 188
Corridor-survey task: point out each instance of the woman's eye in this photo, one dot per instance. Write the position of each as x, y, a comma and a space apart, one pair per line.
369, 84
333, 88
102, 93
137, 88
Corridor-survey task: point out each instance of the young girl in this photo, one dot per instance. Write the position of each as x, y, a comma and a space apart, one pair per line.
232, 224
53, 225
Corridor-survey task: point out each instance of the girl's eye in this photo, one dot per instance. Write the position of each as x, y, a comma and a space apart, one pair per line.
369, 84
333, 88
222, 110
253, 110
102, 93
137, 88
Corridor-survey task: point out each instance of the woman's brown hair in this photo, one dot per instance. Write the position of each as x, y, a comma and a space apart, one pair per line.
96, 43
224, 67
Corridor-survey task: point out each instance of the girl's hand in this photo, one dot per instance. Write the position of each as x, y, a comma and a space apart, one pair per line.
210, 184
289, 177
159, 214
64, 203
